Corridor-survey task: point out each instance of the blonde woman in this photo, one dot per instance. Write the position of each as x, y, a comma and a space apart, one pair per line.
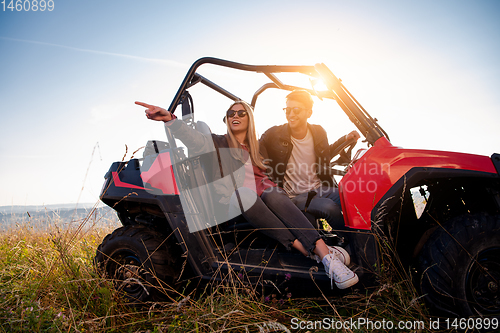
267, 207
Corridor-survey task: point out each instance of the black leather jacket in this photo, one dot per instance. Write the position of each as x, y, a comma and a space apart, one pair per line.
276, 148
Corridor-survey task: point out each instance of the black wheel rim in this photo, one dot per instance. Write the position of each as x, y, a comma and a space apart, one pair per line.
129, 276
482, 283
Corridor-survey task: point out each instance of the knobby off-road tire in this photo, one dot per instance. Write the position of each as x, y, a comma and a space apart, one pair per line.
141, 263
460, 267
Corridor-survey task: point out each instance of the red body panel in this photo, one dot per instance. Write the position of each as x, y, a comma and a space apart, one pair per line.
160, 175
383, 165
119, 183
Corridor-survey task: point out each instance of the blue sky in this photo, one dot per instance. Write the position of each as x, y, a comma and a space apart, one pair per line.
428, 70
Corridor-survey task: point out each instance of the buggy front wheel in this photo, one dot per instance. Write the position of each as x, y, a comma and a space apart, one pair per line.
141, 263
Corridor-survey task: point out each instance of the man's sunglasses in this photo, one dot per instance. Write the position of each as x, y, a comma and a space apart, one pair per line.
231, 113
295, 110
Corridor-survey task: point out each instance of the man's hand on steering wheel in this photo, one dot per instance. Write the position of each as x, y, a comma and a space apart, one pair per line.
353, 135
345, 149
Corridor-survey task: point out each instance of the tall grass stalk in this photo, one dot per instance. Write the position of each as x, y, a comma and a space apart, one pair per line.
48, 284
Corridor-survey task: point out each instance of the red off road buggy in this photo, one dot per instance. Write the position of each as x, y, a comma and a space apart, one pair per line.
438, 211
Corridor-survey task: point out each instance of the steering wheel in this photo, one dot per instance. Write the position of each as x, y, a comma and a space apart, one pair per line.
346, 150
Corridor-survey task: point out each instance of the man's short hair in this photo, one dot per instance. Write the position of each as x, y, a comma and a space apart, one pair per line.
302, 96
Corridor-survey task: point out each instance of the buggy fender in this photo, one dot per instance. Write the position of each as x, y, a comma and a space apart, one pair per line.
384, 167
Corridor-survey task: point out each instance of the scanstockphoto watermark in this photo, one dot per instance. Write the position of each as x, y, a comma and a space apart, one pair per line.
368, 169
402, 325
355, 324
363, 177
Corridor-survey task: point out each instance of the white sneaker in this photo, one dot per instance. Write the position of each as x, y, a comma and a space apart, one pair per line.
338, 252
339, 273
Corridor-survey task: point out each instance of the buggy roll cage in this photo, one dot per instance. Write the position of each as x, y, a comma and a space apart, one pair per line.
367, 125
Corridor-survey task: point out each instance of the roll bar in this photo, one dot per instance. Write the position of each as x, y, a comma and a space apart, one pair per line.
367, 125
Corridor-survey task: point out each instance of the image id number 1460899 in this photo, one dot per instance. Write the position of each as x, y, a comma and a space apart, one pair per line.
28, 5
472, 323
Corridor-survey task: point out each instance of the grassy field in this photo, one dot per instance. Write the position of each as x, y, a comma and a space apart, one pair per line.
48, 284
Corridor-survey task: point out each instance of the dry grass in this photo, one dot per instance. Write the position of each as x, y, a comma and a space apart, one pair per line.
48, 284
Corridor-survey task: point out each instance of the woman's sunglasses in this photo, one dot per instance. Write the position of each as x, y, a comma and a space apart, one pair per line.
231, 113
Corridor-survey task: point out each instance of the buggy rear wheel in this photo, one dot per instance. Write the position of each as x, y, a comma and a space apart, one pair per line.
142, 263
460, 266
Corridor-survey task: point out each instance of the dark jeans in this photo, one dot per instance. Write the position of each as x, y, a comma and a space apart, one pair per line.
325, 204
274, 214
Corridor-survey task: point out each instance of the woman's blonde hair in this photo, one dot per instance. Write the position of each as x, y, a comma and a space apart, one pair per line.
252, 142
